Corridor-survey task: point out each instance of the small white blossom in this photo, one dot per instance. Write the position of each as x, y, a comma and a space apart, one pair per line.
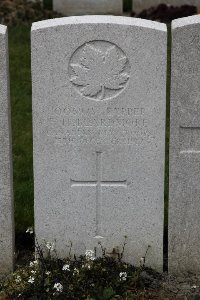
194, 287
142, 261
33, 272
58, 286
76, 271
18, 279
87, 266
123, 276
47, 273
29, 230
66, 268
31, 279
33, 263
50, 246
89, 254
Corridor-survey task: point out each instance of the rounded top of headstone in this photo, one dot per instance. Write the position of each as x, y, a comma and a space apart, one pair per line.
187, 21
3, 29
118, 20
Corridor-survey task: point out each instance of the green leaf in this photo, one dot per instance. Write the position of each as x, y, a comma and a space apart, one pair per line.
108, 294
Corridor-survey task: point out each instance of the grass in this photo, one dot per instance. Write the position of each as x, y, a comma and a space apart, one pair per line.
127, 4
20, 80
48, 4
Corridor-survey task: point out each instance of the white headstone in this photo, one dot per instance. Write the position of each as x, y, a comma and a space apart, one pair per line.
139, 5
88, 7
184, 205
6, 201
99, 133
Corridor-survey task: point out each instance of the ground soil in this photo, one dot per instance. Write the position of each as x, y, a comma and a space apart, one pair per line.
168, 287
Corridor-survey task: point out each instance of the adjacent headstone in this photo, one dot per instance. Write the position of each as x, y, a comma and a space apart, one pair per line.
99, 134
184, 205
139, 5
88, 7
6, 201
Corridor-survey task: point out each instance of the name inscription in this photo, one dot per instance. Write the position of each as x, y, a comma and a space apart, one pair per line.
110, 125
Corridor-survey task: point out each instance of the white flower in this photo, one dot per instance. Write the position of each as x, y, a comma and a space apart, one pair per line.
33, 263
29, 230
123, 275
194, 287
86, 266
31, 279
50, 246
47, 273
142, 261
66, 268
33, 272
76, 271
18, 279
92, 258
58, 286
89, 254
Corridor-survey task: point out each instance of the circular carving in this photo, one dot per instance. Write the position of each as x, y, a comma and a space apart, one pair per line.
99, 70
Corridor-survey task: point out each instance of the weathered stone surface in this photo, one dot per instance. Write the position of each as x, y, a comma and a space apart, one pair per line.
99, 134
6, 203
139, 5
88, 7
184, 205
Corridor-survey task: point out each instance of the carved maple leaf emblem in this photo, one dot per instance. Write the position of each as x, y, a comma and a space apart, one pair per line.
97, 71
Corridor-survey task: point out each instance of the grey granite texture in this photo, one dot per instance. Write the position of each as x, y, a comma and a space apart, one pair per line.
184, 205
139, 5
88, 7
6, 195
99, 85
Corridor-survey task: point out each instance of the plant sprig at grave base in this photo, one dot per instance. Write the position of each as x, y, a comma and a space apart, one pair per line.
86, 277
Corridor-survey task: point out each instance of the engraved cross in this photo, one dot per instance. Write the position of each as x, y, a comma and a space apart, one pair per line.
190, 139
98, 184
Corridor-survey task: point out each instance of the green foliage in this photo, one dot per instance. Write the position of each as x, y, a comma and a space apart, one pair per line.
48, 4
86, 277
20, 82
127, 5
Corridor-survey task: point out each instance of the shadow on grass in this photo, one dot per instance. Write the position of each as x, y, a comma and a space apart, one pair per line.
20, 83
